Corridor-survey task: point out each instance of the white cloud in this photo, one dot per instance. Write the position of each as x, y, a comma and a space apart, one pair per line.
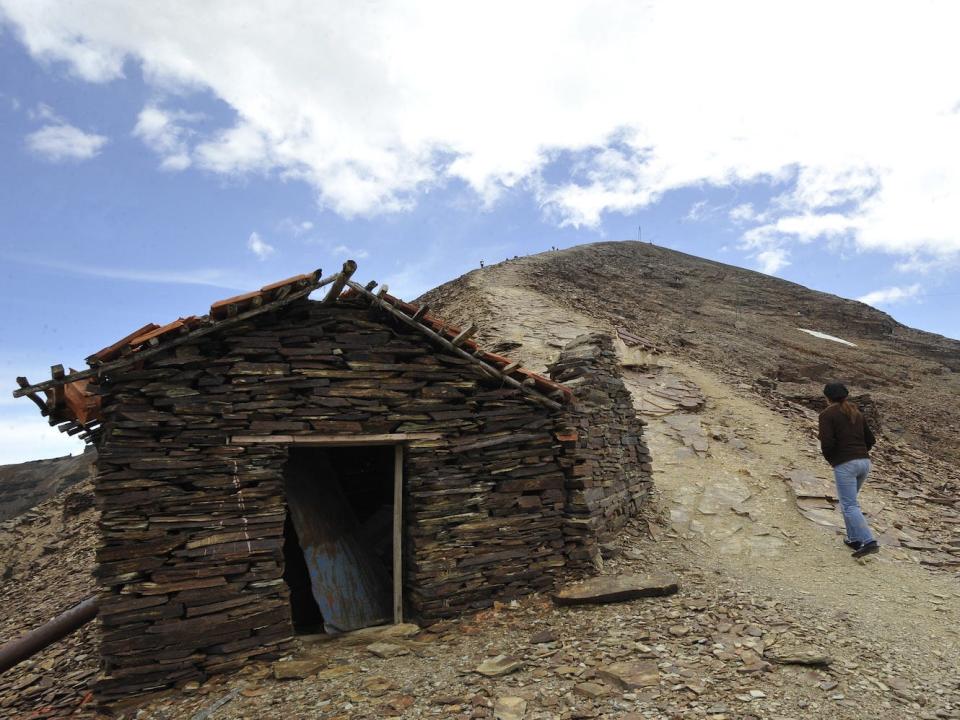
927, 265
162, 132
744, 212
590, 109
772, 260
60, 142
698, 211
295, 227
259, 247
891, 295
350, 253
238, 149
26, 435
212, 277
43, 112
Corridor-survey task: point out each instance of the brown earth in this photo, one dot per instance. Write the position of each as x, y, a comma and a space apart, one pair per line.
25, 485
729, 386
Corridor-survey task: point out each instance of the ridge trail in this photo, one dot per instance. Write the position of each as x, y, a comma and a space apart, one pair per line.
728, 510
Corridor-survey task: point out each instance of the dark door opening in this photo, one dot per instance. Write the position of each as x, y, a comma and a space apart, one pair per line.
338, 542
307, 618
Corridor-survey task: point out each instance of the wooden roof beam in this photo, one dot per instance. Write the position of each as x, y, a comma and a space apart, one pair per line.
314, 283
443, 342
340, 280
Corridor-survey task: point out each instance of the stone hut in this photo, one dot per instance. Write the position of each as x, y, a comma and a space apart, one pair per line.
288, 464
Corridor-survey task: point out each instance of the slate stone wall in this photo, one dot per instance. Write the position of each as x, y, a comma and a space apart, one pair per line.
191, 561
611, 475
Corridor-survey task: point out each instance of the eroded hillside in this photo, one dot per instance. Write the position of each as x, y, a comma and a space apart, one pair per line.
24, 485
744, 325
773, 618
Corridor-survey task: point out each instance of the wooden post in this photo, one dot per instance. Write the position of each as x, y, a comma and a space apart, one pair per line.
23, 382
397, 533
464, 335
349, 268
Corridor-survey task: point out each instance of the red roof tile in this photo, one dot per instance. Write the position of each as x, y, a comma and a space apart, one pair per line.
112, 351
79, 404
221, 307
449, 331
182, 323
289, 281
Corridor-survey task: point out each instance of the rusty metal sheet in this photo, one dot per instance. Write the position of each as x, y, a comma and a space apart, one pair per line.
350, 584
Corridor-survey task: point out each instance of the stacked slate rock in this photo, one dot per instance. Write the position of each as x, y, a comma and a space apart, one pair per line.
611, 476
190, 567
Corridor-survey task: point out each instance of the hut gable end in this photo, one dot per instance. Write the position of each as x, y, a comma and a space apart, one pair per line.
283, 464
192, 560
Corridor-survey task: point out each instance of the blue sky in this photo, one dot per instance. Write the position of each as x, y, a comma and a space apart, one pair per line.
158, 157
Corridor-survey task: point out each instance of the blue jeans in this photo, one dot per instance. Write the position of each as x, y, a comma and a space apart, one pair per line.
849, 477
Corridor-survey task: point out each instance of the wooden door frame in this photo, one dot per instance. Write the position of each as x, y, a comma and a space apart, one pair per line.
398, 441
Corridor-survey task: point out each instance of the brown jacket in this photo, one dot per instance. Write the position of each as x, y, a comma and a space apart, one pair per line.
841, 440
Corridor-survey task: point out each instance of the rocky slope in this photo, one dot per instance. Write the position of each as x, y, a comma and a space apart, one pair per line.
24, 485
745, 325
46, 567
773, 618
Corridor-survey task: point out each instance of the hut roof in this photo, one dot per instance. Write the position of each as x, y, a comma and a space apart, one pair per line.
77, 410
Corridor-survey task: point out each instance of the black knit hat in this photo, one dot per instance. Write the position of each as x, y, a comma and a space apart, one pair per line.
835, 391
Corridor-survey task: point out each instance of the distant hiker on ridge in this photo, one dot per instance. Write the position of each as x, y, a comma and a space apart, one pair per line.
845, 440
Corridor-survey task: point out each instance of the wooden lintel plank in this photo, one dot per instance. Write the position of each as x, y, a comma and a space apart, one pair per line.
381, 439
44, 409
421, 311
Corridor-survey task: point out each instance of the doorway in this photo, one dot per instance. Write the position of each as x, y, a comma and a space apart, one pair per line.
342, 566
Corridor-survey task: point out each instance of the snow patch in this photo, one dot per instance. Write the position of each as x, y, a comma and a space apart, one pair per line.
824, 336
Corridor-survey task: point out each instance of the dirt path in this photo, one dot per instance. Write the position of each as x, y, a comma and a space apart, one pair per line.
766, 542
732, 513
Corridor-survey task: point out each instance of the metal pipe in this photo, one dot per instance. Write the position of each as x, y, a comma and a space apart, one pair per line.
16, 651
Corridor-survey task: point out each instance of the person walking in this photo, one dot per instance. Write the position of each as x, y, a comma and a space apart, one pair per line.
845, 441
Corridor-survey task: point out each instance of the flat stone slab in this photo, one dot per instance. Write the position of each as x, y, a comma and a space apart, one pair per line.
387, 650
616, 588
509, 708
378, 633
590, 690
630, 675
499, 666
814, 658
297, 669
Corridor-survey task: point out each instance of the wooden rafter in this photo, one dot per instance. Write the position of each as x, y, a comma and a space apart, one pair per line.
484, 366
312, 283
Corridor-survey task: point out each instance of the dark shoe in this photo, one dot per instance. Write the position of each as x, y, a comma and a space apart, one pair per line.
854, 544
867, 549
